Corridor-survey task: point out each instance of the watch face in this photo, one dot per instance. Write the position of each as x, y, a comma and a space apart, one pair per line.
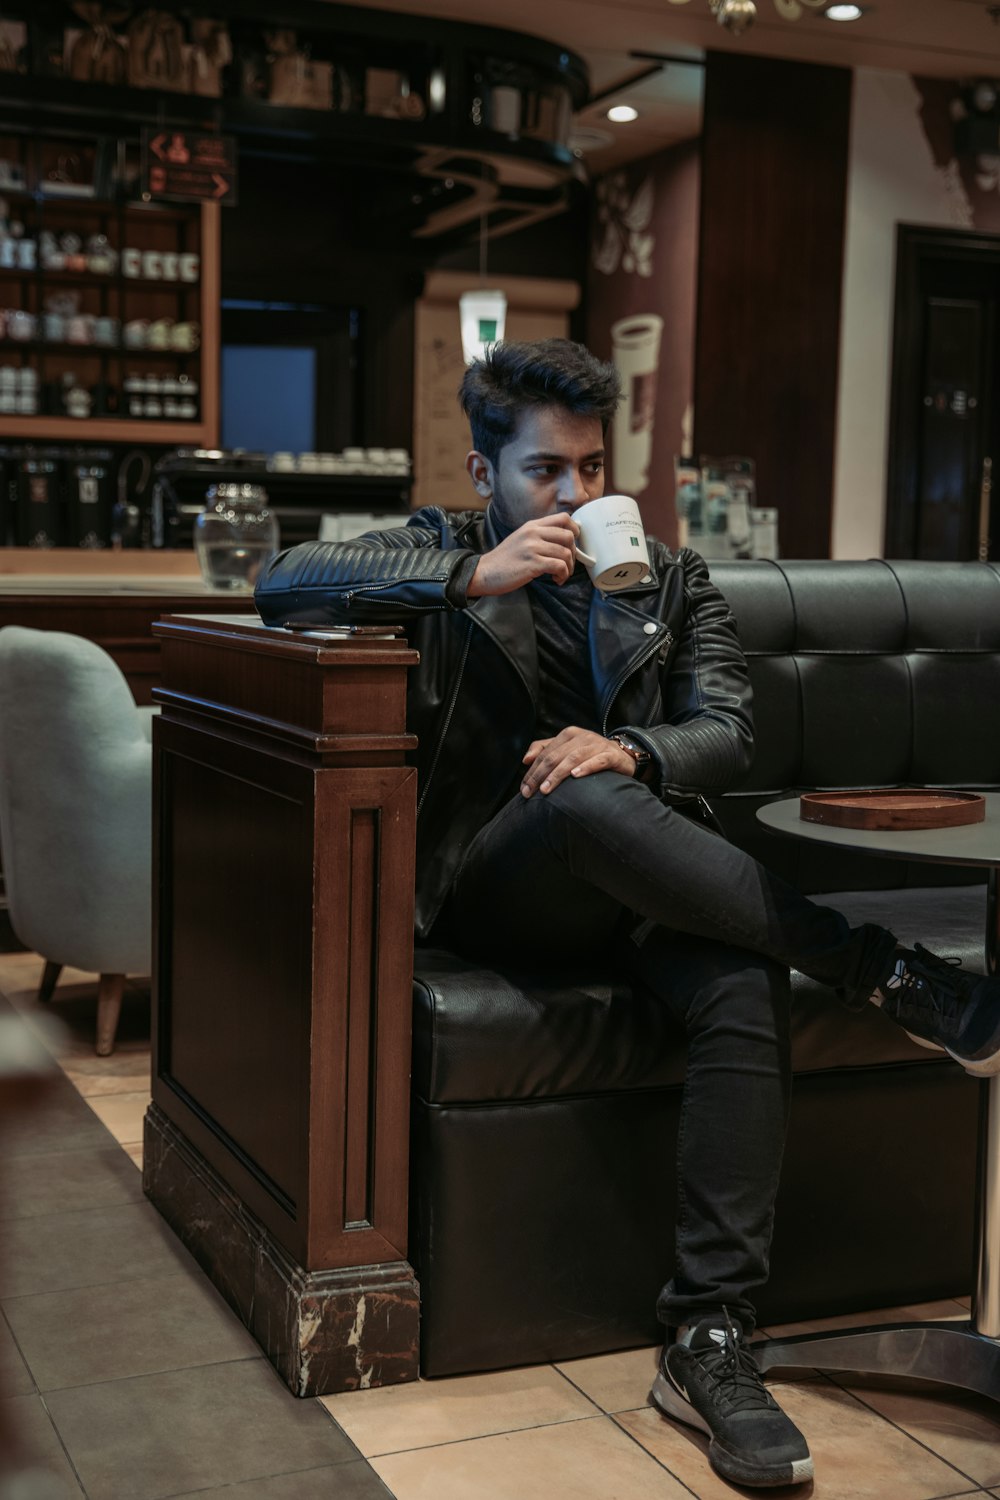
638, 754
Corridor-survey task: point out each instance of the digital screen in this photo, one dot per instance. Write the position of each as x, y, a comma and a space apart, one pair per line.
269, 398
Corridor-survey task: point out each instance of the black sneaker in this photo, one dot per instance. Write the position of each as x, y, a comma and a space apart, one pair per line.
941, 1007
709, 1379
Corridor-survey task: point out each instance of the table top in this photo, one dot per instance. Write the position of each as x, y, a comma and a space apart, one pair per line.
971, 844
58, 586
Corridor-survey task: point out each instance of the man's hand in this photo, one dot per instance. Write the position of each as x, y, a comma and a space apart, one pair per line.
573, 752
544, 545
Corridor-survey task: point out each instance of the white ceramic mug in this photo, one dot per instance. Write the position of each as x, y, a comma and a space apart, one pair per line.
184, 336
612, 544
159, 334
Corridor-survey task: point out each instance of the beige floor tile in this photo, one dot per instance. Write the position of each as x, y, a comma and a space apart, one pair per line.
135, 1152
19, 970
73, 1011
21, 974
964, 1430
428, 1412
617, 1382
123, 1114
126, 1071
572, 1461
924, 1312
857, 1455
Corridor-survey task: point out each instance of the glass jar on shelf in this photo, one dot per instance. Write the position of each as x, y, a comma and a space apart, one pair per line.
234, 535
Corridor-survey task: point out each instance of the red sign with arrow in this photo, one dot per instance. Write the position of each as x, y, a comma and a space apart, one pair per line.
179, 164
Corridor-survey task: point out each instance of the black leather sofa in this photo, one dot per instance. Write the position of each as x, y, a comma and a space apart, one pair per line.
546, 1104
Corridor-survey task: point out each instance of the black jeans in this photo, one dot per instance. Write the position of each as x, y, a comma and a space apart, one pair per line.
601, 867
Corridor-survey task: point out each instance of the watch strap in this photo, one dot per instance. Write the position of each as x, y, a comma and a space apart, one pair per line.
638, 752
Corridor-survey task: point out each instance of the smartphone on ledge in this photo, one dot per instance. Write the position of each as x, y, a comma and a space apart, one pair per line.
337, 631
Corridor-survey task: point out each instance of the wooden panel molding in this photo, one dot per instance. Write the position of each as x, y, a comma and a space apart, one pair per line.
283, 952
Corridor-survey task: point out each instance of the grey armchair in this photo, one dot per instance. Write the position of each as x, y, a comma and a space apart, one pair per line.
75, 813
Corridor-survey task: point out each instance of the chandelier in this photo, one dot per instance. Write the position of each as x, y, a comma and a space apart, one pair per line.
737, 15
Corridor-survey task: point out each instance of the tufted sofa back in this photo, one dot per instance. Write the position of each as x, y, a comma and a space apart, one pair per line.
865, 674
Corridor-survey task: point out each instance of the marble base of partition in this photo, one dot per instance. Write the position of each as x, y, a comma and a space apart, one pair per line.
324, 1331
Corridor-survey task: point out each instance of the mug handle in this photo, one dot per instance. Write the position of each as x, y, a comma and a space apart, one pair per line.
585, 557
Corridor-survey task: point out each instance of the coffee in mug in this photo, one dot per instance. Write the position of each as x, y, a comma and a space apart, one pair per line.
612, 543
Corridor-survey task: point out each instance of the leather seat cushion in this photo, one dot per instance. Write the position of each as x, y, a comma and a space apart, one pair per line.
481, 1037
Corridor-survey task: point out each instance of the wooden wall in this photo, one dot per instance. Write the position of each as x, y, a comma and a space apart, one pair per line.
653, 204
318, 233
773, 195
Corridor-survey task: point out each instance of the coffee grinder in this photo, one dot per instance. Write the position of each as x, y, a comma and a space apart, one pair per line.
38, 521
88, 497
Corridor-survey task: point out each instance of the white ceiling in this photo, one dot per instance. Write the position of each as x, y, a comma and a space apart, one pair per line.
945, 38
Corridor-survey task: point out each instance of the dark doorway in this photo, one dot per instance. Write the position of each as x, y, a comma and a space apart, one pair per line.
944, 434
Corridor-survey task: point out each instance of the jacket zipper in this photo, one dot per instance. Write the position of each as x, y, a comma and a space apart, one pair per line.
375, 588
630, 671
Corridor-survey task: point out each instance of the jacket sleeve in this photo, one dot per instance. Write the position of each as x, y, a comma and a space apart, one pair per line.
381, 577
704, 745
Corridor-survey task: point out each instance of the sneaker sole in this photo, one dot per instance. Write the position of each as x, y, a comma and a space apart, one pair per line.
731, 1466
982, 1067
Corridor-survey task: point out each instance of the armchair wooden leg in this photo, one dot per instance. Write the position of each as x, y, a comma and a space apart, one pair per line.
50, 975
109, 1005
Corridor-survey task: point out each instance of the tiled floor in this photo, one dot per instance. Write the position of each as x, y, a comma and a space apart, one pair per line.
125, 1377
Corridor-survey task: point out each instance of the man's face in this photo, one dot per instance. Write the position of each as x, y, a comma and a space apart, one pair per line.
554, 462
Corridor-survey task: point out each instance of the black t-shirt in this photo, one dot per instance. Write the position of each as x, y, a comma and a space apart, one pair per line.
566, 687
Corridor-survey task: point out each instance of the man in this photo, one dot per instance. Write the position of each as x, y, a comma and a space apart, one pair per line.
566, 739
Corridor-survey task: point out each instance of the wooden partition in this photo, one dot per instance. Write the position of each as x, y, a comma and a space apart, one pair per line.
277, 1139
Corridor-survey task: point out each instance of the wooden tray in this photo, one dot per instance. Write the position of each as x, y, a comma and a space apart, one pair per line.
893, 808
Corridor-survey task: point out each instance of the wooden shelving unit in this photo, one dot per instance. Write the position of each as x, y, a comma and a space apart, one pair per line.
126, 298
42, 429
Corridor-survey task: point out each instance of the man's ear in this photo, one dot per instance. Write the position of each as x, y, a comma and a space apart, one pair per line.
481, 473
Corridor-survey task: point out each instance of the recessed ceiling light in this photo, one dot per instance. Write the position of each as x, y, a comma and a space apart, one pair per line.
843, 12
622, 113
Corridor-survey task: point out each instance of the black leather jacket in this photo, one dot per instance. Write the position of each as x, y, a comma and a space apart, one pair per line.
664, 656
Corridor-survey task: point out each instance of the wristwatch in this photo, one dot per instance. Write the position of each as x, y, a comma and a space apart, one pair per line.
632, 747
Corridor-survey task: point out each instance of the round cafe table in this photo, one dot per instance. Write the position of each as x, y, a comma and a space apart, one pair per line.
963, 1353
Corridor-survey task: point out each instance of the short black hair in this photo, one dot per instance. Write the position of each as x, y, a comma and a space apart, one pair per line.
511, 377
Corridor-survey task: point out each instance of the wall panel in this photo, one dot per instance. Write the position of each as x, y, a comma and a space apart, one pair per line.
773, 195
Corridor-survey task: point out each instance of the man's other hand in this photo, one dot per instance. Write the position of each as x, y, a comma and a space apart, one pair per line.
544, 545
573, 752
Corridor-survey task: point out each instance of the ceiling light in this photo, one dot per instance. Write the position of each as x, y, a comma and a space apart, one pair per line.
843, 13
482, 310
622, 113
737, 15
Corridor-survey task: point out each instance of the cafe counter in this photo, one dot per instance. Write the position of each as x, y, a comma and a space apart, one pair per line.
111, 598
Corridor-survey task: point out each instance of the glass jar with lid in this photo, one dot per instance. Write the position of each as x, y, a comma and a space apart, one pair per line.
234, 535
